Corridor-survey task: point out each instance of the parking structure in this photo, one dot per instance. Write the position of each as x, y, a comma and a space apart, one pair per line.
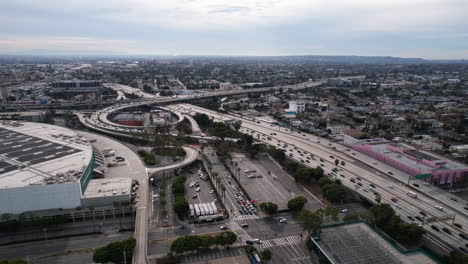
357, 243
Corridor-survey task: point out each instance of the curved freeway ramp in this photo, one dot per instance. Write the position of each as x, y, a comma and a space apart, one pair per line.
141, 222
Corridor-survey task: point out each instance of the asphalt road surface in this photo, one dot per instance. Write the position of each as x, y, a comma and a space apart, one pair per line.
301, 146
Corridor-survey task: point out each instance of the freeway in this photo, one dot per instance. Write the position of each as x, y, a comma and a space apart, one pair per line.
100, 118
310, 151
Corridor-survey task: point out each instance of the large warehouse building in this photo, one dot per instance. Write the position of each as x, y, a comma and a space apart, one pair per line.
42, 167
411, 160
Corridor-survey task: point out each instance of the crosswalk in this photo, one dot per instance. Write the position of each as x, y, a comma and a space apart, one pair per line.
290, 240
246, 217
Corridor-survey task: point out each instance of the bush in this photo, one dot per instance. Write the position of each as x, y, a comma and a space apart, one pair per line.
350, 217
297, 203
195, 242
13, 261
114, 252
269, 207
148, 158
266, 254
181, 206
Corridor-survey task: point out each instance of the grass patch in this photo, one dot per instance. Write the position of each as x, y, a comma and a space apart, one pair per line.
148, 158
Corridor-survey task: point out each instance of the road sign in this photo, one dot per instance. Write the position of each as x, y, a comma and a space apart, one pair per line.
423, 176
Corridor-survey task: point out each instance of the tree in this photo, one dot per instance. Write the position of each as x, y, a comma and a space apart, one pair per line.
333, 192
324, 181
13, 261
226, 238
292, 166
311, 220
331, 211
304, 174
381, 214
266, 254
203, 120
181, 206
279, 155
350, 217
297, 203
115, 252
456, 257
269, 207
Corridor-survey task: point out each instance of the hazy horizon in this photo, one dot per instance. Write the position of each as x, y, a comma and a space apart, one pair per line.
430, 29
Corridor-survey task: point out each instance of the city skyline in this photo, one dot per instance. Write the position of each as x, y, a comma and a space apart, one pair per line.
427, 29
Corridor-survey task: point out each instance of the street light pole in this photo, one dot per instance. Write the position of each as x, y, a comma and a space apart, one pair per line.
45, 233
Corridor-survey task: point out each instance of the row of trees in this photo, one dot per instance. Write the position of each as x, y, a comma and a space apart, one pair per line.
332, 190
29, 220
196, 242
13, 261
181, 206
117, 252
384, 217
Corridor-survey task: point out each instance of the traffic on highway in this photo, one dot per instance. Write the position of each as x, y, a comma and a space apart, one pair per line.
443, 219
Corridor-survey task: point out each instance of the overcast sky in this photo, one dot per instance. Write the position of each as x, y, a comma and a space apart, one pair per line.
430, 29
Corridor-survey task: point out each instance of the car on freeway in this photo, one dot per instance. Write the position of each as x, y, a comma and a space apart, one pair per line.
393, 199
453, 199
416, 185
440, 208
244, 225
446, 230
410, 217
397, 205
360, 184
457, 225
223, 227
423, 213
372, 185
391, 173
436, 228
464, 236
390, 186
358, 178
352, 180
345, 211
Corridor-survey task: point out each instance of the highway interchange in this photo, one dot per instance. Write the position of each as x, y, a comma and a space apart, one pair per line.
301, 146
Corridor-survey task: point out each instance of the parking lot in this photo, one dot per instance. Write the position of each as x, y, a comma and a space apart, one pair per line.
198, 186
271, 183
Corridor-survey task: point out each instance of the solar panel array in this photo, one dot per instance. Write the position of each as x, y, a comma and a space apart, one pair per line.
353, 245
28, 150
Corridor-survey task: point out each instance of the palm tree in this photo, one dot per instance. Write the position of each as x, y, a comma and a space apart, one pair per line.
223, 189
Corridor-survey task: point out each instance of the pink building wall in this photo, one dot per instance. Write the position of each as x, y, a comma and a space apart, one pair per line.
443, 177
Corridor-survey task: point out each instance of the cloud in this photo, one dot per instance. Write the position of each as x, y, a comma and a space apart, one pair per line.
24, 43
343, 15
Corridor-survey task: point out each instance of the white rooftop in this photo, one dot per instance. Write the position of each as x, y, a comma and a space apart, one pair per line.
37, 154
108, 187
